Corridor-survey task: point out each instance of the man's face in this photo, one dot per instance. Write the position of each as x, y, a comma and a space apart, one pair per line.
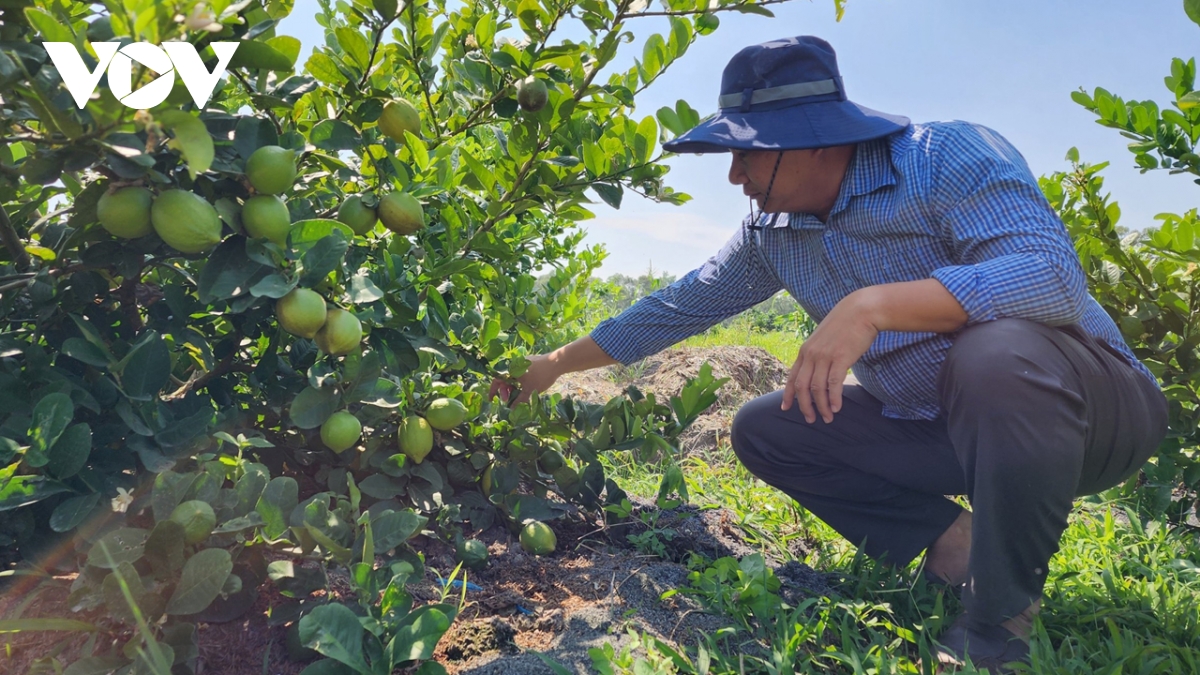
807, 181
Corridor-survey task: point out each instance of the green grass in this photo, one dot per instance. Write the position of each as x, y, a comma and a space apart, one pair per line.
1123, 595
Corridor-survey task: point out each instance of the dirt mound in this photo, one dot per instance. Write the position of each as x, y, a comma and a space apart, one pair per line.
752, 372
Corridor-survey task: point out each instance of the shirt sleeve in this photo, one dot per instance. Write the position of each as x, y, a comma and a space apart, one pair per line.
729, 283
1014, 256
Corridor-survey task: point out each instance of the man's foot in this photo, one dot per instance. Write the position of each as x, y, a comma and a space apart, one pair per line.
991, 647
949, 557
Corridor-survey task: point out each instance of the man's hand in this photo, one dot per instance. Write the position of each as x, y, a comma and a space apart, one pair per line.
849, 329
545, 369
540, 376
819, 372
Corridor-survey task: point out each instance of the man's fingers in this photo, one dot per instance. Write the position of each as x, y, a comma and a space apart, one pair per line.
837, 381
819, 386
803, 391
789, 386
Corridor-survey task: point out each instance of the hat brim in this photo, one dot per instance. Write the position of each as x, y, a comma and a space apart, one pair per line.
799, 127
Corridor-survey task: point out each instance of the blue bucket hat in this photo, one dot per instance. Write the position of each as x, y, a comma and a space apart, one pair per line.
785, 95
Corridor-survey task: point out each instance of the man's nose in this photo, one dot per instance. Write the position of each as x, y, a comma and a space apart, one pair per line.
737, 171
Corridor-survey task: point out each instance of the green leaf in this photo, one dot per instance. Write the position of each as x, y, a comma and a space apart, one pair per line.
611, 194
253, 133
396, 527
229, 272
147, 367
69, 514
23, 625
339, 552
124, 545
70, 453
52, 28
363, 290
653, 57
327, 667
1189, 101
95, 665
313, 406
275, 505
288, 46
82, 350
754, 9
1192, 7
645, 140
191, 139
420, 632
306, 233
169, 490
386, 8
274, 285
355, 45
164, 547
203, 577
51, 416
334, 135
254, 55
381, 487
18, 491
334, 631
323, 67
324, 257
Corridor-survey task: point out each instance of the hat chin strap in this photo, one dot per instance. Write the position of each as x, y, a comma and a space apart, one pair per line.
770, 185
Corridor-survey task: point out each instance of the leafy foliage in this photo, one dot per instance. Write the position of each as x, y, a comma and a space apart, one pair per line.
1148, 281
140, 372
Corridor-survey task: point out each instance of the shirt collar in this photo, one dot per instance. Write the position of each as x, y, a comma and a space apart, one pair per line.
870, 170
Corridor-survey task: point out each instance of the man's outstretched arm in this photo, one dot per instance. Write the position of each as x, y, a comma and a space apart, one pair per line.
544, 369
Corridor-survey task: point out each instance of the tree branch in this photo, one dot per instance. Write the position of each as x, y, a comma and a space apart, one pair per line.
692, 12
8, 236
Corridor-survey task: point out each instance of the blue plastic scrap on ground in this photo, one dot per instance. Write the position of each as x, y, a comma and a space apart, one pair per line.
458, 584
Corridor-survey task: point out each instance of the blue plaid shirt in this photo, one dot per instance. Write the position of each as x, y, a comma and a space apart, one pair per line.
949, 200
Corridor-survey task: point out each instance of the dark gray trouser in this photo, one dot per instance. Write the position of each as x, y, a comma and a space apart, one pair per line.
1034, 416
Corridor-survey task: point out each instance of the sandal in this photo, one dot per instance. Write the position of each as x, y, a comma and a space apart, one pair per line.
991, 647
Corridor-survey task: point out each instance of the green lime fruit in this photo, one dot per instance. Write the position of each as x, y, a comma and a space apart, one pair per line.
267, 217
125, 213
566, 477
341, 431
197, 519
187, 222
416, 438
341, 333
401, 213
357, 216
532, 94
301, 312
473, 553
100, 30
486, 481
551, 461
446, 413
271, 169
398, 117
538, 538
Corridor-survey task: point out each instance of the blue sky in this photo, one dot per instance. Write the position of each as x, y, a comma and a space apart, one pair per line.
1009, 65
